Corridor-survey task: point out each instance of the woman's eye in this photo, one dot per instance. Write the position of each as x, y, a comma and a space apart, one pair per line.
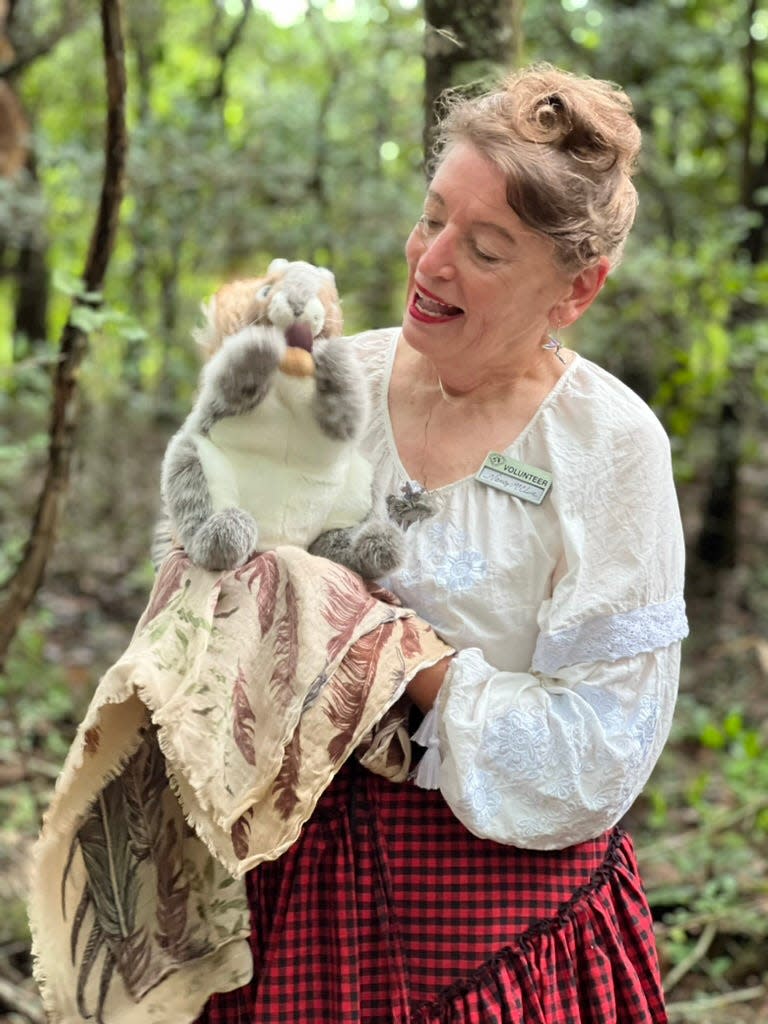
264, 291
427, 225
486, 257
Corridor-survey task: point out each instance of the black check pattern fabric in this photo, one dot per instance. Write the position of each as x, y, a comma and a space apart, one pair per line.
388, 911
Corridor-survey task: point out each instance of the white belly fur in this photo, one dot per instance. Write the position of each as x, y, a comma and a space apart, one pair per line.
275, 463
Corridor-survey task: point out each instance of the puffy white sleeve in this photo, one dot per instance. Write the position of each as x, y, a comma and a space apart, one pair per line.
555, 755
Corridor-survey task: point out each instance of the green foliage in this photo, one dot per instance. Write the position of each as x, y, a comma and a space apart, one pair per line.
38, 722
707, 839
306, 143
685, 317
39, 702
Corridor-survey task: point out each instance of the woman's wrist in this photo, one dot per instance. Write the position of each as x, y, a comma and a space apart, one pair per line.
425, 685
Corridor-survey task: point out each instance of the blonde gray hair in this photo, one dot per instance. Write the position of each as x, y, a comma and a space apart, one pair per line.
567, 146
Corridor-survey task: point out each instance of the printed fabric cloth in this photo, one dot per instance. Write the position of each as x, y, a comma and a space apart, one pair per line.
204, 750
389, 911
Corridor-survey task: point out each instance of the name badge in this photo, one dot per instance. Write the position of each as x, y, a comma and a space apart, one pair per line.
526, 482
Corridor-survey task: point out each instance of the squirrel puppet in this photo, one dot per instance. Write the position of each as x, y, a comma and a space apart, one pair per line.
268, 455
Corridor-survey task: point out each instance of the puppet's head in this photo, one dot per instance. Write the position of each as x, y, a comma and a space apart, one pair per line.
298, 298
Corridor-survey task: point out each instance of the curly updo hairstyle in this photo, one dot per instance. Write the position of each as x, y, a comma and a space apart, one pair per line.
567, 146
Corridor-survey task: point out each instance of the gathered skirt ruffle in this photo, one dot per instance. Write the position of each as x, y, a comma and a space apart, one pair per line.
388, 911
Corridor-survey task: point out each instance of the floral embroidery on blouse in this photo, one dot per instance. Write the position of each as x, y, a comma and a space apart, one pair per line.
519, 740
456, 565
524, 744
481, 796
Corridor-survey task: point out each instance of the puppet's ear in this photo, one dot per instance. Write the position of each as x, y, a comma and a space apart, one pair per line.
277, 264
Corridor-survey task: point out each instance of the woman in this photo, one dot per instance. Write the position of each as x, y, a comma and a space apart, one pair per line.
553, 567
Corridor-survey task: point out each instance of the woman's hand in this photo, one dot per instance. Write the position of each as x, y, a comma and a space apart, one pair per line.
425, 685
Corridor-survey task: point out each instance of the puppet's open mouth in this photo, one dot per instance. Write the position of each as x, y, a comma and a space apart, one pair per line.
299, 335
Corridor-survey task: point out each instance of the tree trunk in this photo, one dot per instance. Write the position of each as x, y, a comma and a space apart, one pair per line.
20, 590
717, 543
465, 41
32, 278
718, 540
29, 259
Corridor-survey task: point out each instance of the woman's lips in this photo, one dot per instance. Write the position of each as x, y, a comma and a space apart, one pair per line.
430, 310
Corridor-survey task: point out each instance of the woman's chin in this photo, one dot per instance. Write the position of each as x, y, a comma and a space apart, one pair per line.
419, 331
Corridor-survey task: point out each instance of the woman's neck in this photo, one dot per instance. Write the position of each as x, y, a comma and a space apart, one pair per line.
476, 386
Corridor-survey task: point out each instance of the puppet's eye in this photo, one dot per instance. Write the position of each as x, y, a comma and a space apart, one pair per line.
264, 291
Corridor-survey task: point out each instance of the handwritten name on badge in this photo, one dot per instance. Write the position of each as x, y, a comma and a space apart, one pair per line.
526, 482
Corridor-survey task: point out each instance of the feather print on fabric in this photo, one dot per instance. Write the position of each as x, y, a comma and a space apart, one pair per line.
243, 718
93, 948
380, 593
131, 845
240, 834
287, 781
264, 572
314, 692
110, 893
173, 896
286, 650
388, 744
346, 604
410, 638
350, 687
143, 789
169, 577
179, 925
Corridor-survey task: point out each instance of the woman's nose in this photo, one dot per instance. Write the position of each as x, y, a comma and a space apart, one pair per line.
438, 257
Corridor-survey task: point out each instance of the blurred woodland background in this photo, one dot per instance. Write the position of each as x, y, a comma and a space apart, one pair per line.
217, 135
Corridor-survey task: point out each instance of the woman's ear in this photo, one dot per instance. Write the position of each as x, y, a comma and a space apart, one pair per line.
585, 287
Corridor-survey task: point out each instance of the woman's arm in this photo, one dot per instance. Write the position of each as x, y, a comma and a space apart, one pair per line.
556, 753
545, 762
425, 685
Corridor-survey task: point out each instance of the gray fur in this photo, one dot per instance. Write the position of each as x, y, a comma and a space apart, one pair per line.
341, 399
411, 506
238, 376
372, 549
184, 487
234, 381
162, 538
213, 540
225, 540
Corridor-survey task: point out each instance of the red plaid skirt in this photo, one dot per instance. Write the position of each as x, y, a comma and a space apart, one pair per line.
387, 910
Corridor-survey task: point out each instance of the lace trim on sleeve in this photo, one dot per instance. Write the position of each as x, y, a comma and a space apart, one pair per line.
611, 637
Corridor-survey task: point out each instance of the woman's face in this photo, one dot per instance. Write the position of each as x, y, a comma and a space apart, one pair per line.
482, 287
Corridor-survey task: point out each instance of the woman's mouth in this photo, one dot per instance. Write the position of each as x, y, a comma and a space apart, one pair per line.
429, 309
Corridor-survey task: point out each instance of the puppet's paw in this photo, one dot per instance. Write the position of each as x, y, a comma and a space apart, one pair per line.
377, 548
341, 397
225, 540
241, 371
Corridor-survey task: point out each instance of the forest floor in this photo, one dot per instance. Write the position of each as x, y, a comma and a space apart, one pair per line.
700, 828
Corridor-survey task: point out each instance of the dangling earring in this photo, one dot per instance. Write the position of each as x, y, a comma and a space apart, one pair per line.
553, 344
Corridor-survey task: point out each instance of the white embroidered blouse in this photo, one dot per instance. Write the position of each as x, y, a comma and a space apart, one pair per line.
567, 616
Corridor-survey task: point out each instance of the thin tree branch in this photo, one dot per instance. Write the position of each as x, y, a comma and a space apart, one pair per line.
754, 172
18, 998
69, 24
750, 109
225, 51
688, 962
701, 1009
25, 582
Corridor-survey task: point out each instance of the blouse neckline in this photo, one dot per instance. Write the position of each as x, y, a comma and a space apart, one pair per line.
383, 399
